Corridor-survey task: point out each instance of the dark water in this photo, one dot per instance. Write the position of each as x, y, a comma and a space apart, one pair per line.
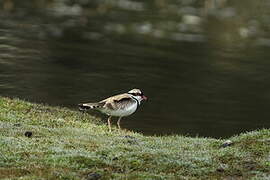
205, 70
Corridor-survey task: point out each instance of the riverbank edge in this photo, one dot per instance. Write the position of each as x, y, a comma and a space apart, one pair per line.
44, 142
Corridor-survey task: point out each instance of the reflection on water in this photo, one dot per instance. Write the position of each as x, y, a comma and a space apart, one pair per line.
204, 69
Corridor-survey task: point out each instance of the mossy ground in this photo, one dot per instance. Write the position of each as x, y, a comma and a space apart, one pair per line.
66, 144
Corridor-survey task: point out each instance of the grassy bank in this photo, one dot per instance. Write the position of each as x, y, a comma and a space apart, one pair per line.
41, 142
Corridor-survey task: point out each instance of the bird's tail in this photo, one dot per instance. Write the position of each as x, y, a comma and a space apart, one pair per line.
86, 106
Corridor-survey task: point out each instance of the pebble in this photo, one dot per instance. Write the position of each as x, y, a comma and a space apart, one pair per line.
28, 134
226, 144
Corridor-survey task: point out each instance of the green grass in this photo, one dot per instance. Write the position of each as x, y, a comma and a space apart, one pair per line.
67, 144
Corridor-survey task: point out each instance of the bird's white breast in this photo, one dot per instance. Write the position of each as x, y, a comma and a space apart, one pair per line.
128, 110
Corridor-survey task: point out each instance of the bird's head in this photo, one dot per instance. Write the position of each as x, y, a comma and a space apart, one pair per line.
138, 94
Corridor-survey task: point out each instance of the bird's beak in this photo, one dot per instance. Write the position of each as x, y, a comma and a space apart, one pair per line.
144, 97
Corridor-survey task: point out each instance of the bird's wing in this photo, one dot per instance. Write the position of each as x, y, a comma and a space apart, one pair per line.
117, 101
119, 97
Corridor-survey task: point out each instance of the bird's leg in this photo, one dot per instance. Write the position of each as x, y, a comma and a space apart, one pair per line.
118, 122
109, 123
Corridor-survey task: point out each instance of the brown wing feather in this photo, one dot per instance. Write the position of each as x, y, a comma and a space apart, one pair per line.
116, 98
117, 101
123, 99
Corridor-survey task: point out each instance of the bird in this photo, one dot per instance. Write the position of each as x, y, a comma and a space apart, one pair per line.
120, 105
